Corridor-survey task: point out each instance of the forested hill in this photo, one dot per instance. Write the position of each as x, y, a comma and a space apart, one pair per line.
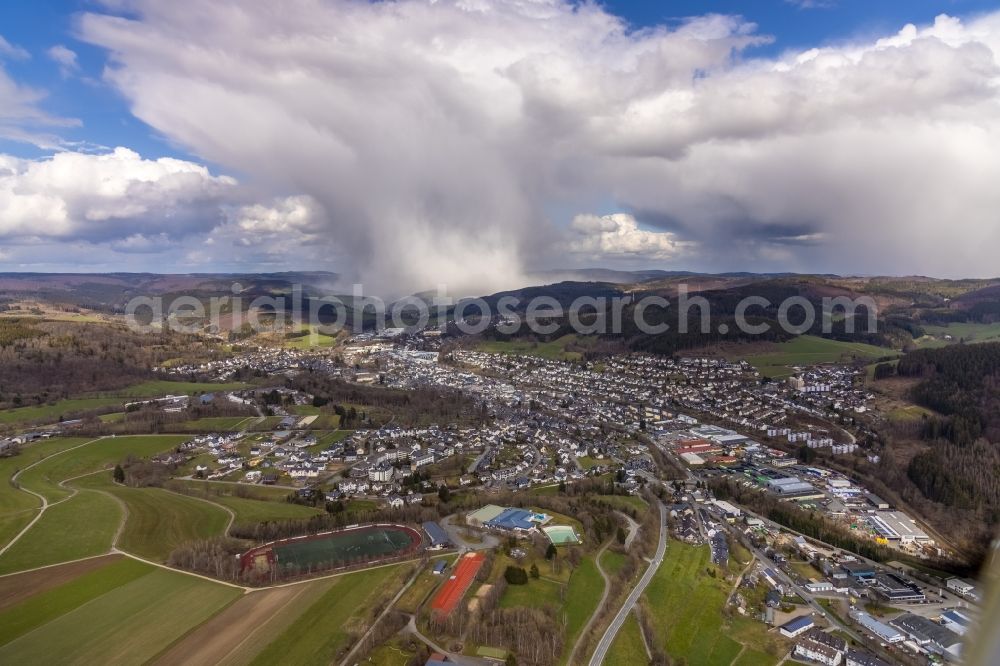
959, 468
961, 382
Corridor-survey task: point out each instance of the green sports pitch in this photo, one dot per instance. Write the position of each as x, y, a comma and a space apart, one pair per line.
333, 550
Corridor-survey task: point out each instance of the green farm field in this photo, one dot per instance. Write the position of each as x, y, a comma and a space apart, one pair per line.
125, 623
554, 350
325, 628
806, 350
158, 520
626, 502
312, 339
583, 593
628, 647
685, 606
160, 387
80, 526
212, 489
17, 508
573, 596
98, 454
54, 412
537, 593
969, 333
211, 424
612, 562
258, 511
48, 604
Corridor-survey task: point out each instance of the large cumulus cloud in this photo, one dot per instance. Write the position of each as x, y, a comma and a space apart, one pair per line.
107, 197
80, 209
439, 137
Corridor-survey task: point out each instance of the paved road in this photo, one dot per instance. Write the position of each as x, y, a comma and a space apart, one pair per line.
455, 534
633, 597
459, 659
806, 596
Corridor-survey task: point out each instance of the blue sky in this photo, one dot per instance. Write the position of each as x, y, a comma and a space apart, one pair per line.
106, 121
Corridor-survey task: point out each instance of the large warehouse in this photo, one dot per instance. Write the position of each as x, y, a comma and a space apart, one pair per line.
790, 486
897, 526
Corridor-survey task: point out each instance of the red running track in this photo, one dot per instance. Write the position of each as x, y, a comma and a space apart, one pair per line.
454, 589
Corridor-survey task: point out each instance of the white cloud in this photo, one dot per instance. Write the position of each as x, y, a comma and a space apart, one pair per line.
436, 137
8, 50
295, 214
115, 197
618, 236
812, 4
119, 211
22, 119
65, 58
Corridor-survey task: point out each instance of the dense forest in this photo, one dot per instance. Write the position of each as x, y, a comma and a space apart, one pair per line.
957, 464
962, 382
44, 361
720, 307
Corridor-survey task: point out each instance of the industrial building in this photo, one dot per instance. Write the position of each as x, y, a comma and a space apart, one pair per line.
897, 526
929, 635
894, 588
961, 586
817, 586
878, 629
858, 570
957, 621
729, 511
793, 487
692, 458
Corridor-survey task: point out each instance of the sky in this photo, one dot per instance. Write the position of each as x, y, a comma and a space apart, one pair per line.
470, 143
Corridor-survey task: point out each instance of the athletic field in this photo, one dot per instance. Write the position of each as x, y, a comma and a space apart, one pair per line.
333, 550
451, 593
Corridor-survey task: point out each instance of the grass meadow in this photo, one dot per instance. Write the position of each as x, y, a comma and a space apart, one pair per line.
685, 605
806, 350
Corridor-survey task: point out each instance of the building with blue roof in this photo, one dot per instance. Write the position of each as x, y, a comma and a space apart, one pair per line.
796, 626
516, 520
438, 537
512, 519
956, 621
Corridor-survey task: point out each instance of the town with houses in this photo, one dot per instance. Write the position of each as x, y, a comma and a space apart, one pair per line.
557, 422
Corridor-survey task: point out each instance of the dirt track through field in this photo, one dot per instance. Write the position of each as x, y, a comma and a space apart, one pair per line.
15, 589
215, 640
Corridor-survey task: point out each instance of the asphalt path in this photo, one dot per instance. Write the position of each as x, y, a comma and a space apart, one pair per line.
609, 636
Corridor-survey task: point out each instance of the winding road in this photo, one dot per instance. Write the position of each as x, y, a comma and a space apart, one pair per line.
616, 624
